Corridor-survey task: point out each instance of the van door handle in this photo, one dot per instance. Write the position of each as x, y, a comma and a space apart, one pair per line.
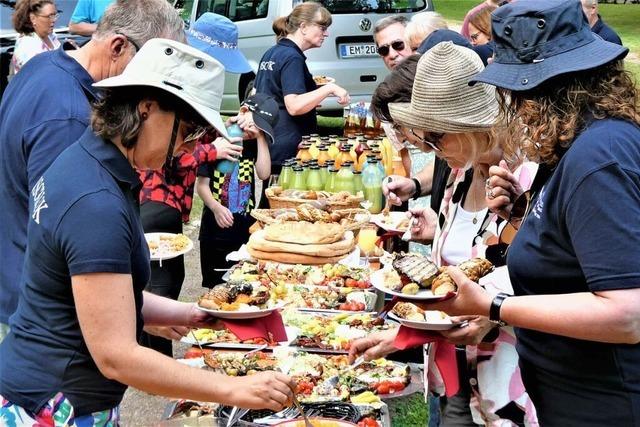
369, 78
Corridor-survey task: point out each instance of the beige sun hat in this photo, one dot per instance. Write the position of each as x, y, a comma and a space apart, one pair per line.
181, 70
442, 101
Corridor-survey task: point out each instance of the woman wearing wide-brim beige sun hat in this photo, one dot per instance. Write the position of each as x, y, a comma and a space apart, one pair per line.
455, 119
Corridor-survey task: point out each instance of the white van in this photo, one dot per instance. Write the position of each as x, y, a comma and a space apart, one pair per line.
348, 54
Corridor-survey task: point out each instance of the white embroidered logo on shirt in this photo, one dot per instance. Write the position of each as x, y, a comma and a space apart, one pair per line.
39, 201
267, 65
537, 208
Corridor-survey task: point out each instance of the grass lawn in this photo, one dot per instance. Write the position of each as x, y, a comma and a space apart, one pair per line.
623, 18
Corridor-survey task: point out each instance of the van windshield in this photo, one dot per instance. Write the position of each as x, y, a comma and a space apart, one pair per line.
372, 6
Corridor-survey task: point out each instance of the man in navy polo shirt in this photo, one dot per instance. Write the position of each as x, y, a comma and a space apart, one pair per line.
590, 9
46, 108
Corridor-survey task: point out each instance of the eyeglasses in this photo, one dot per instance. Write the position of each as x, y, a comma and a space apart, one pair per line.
50, 17
384, 50
322, 27
129, 39
430, 138
497, 253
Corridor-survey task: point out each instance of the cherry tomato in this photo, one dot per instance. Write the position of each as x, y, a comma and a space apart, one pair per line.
368, 422
350, 283
344, 306
360, 306
383, 387
195, 352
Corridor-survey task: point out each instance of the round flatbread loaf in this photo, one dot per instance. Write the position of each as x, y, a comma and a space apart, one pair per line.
304, 233
342, 247
287, 258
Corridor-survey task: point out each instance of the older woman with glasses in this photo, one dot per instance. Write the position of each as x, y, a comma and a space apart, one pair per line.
283, 75
73, 346
455, 121
568, 102
34, 20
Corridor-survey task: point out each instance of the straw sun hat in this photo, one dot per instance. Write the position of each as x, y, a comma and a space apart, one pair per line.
442, 101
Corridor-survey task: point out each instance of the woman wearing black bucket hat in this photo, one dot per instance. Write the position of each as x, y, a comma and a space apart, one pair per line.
567, 102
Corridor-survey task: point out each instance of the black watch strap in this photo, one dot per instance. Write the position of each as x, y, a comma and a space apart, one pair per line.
494, 310
418, 192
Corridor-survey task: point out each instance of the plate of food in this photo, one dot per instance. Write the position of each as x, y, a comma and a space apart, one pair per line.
414, 277
411, 316
167, 245
323, 80
392, 221
238, 301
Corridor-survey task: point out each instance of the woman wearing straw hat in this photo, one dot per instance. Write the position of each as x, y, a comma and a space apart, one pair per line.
455, 121
567, 102
73, 348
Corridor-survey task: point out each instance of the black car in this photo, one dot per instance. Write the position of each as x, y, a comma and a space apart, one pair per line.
8, 33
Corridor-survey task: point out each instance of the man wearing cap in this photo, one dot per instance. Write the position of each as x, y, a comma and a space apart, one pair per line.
590, 8
228, 194
165, 201
45, 108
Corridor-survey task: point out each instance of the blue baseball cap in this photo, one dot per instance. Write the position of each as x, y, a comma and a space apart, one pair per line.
217, 36
538, 40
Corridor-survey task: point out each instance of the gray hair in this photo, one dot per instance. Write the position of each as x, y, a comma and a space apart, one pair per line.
421, 25
141, 21
389, 21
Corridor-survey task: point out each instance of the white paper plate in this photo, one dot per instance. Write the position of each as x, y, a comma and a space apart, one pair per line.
254, 314
391, 222
326, 82
156, 236
377, 280
425, 326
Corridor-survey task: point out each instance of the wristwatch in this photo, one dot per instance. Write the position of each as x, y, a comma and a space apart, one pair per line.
494, 310
418, 191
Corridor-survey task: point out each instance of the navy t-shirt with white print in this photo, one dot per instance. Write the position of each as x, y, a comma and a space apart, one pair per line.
283, 71
583, 235
83, 219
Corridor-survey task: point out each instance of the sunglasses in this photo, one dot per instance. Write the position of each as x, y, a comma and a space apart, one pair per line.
430, 139
129, 39
193, 130
384, 50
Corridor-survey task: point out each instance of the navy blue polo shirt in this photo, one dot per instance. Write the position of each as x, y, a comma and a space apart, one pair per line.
283, 71
84, 218
44, 109
582, 235
606, 32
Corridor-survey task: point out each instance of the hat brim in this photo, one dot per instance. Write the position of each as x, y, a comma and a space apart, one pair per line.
232, 59
404, 115
264, 126
522, 77
210, 115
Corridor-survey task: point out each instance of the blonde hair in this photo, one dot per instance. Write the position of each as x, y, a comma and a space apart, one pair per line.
309, 12
421, 25
477, 144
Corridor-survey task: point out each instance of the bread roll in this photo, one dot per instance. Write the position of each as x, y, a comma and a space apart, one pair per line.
257, 241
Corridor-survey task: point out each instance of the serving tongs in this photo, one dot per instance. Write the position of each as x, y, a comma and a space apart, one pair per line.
236, 411
333, 380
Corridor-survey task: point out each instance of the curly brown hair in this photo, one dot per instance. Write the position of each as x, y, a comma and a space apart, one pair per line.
542, 123
21, 19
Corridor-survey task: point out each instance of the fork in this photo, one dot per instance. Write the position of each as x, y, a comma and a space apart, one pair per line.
307, 423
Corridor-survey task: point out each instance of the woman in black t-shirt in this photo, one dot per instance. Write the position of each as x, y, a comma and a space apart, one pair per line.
283, 74
568, 103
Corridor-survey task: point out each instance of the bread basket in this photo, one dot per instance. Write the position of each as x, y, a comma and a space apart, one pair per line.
348, 221
291, 198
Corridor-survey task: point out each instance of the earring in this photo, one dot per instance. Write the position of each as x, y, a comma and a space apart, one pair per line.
144, 116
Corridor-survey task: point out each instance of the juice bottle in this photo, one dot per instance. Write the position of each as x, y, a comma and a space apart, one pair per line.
357, 182
314, 142
284, 180
324, 174
372, 177
298, 182
314, 179
323, 155
303, 153
330, 185
342, 156
344, 179
362, 158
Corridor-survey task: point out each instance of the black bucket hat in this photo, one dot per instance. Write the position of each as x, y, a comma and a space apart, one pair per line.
538, 40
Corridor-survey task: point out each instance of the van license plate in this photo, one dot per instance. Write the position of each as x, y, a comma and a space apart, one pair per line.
356, 50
